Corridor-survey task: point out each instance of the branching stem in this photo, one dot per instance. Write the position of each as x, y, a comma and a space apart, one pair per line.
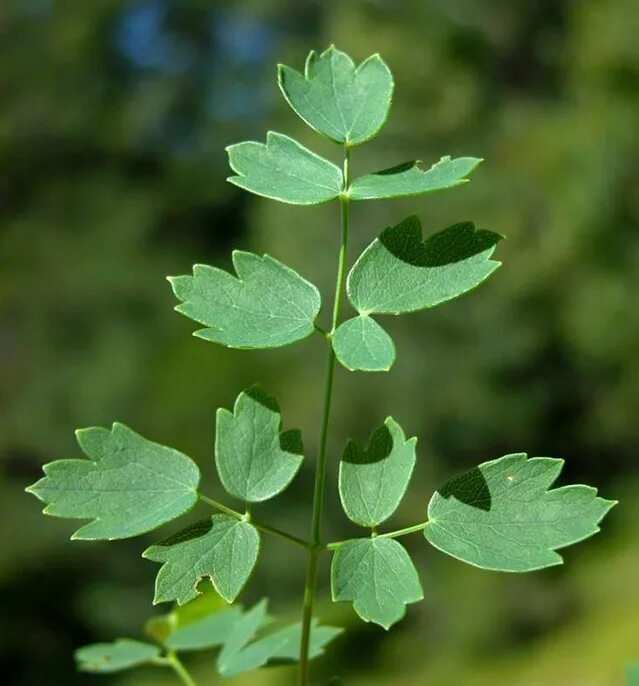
320, 468
391, 534
262, 527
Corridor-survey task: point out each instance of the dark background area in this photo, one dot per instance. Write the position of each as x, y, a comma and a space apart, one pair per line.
114, 116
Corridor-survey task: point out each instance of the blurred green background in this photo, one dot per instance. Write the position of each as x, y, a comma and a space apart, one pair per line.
114, 115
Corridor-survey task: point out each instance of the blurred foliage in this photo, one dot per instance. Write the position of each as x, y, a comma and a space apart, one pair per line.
113, 120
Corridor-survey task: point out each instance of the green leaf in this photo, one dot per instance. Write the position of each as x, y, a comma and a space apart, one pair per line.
362, 344
408, 179
372, 482
129, 486
502, 516
284, 170
347, 104
632, 674
254, 458
220, 547
115, 657
244, 631
208, 632
400, 272
377, 576
266, 306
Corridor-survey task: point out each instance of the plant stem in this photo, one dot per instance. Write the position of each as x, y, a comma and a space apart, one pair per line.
391, 534
175, 663
320, 468
262, 527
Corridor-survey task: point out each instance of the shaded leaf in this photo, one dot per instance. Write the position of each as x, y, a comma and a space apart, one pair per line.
208, 632
254, 458
266, 306
220, 547
320, 637
115, 657
377, 576
284, 170
362, 344
347, 104
400, 272
502, 516
408, 179
372, 482
244, 631
129, 486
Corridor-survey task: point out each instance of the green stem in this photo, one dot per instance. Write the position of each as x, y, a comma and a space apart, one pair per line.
391, 534
174, 662
262, 527
320, 469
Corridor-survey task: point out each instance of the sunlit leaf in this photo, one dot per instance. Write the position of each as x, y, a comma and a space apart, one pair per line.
408, 179
377, 576
362, 344
282, 169
348, 104
502, 516
129, 486
222, 548
254, 458
266, 306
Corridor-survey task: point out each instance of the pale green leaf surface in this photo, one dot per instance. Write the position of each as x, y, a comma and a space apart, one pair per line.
222, 548
372, 481
266, 306
242, 633
115, 657
400, 272
255, 459
128, 486
321, 636
284, 170
348, 104
361, 344
502, 516
208, 632
377, 576
408, 179
632, 674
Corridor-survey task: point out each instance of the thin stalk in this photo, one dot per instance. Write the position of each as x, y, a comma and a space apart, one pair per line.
175, 663
258, 525
320, 468
391, 534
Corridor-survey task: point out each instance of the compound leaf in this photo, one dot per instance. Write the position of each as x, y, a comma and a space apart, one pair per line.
266, 306
377, 576
209, 632
361, 344
408, 179
244, 631
128, 487
282, 169
348, 104
502, 516
372, 481
220, 547
400, 272
115, 657
254, 458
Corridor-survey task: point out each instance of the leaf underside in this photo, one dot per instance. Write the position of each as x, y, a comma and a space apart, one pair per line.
502, 516
115, 657
377, 576
400, 272
220, 547
372, 482
284, 170
345, 103
408, 179
255, 459
361, 344
129, 485
267, 305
